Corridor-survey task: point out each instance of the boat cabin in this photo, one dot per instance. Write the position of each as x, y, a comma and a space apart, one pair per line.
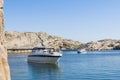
43, 49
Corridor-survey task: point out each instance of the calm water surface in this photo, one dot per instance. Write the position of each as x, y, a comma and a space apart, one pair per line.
97, 65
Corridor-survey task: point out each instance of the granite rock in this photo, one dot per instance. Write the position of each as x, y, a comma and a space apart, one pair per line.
106, 44
4, 67
32, 39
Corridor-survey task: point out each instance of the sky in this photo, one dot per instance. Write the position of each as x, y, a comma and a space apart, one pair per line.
80, 20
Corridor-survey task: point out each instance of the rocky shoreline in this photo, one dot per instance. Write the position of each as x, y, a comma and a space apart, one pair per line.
32, 39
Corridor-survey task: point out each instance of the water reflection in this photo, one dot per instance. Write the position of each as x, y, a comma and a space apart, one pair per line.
44, 71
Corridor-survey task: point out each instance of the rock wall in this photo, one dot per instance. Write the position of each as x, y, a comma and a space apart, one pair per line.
32, 39
4, 68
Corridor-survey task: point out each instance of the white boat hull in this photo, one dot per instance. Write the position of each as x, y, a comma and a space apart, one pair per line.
82, 51
43, 59
44, 55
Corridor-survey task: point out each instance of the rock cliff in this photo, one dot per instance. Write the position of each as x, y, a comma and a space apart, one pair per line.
32, 39
4, 68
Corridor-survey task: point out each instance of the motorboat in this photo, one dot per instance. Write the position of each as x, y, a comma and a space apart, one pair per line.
44, 55
81, 51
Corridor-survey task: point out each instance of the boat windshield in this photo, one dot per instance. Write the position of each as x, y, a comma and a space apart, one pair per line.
43, 49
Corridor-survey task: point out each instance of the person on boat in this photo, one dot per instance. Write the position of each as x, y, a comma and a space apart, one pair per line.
52, 50
45, 50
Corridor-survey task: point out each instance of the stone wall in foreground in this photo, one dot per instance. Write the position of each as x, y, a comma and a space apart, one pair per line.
4, 67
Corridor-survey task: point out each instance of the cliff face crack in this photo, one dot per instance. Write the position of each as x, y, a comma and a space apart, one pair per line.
40, 39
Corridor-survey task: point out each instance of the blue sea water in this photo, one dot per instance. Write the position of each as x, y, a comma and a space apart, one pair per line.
96, 65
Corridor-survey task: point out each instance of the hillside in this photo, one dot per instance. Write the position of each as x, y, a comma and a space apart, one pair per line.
32, 39
106, 44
